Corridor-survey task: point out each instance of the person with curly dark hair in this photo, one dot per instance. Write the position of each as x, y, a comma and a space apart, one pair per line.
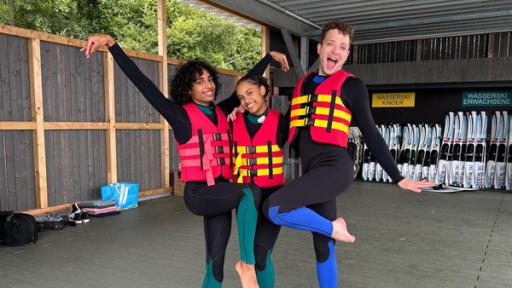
183, 82
203, 136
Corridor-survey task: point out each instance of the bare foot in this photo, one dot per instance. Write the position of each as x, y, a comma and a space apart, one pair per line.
340, 232
247, 274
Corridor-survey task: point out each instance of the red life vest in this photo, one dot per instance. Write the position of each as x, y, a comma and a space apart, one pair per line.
260, 159
206, 155
324, 112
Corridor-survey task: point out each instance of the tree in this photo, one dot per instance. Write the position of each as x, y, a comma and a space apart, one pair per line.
192, 33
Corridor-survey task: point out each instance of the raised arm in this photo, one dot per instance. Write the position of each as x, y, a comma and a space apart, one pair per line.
356, 96
172, 112
232, 101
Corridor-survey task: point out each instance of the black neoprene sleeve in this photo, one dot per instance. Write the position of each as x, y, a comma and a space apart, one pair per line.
356, 97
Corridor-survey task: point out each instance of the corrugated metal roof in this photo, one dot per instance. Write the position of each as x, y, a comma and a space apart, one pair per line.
221, 13
380, 20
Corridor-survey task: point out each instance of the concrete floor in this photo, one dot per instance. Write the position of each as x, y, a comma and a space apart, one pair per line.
404, 240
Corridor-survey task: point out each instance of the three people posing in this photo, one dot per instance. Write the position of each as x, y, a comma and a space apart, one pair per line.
322, 108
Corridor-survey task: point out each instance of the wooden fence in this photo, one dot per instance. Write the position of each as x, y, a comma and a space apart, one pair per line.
69, 125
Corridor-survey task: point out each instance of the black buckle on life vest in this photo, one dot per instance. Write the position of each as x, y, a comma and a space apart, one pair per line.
219, 149
253, 172
222, 161
217, 136
308, 121
251, 161
251, 149
312, 98
310, 110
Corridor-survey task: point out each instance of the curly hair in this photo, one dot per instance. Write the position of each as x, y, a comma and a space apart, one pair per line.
186, 76
342, 27
257, 80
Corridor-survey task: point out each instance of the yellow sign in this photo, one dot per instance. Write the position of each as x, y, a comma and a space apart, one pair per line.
390, 100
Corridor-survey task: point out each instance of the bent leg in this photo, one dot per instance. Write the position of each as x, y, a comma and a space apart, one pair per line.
289, 205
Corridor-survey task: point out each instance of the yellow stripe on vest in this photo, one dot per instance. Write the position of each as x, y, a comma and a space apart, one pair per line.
320, 98
321, 111
241, 150
259, 149
320, 123
260, 172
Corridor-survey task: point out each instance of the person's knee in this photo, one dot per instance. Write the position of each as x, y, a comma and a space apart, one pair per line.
272, 214
322, 248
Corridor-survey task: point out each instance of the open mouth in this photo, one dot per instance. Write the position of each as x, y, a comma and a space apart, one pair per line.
331, 62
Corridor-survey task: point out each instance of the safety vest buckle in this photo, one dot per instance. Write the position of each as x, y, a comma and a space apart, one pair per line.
217, 136
252, 172
251, 149
308, 121
219, 149
312, 97
310, 110
251, 161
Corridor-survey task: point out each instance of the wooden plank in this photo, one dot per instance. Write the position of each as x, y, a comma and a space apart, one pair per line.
37, 114
17, 125
230, 72
265, 47
76, 125
164, 87
155, 192
110, 114
138, 126
67, 206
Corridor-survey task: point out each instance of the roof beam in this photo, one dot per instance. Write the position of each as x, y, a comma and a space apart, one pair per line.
292, 51
263, 13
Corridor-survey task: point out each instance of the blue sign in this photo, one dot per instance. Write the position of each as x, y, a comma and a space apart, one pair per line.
486, 98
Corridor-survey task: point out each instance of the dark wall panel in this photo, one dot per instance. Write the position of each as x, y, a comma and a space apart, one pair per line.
17, 189
14, 79
138, 158
73, 88
430, 106
75, 165
131, 106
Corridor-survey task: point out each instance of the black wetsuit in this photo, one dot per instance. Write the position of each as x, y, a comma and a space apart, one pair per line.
216, 202
327, 172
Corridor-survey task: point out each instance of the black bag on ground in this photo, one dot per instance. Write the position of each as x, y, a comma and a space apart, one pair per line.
18, 229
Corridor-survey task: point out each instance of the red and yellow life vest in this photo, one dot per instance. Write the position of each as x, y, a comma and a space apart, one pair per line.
206, 155
324, 112
260, 159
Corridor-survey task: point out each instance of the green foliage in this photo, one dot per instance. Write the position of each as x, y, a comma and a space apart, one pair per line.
192, 33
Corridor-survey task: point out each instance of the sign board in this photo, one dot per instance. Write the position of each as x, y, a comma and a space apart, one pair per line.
391, 100
486, 98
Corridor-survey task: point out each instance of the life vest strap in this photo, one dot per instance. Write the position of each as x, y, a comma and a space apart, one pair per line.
258, 172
